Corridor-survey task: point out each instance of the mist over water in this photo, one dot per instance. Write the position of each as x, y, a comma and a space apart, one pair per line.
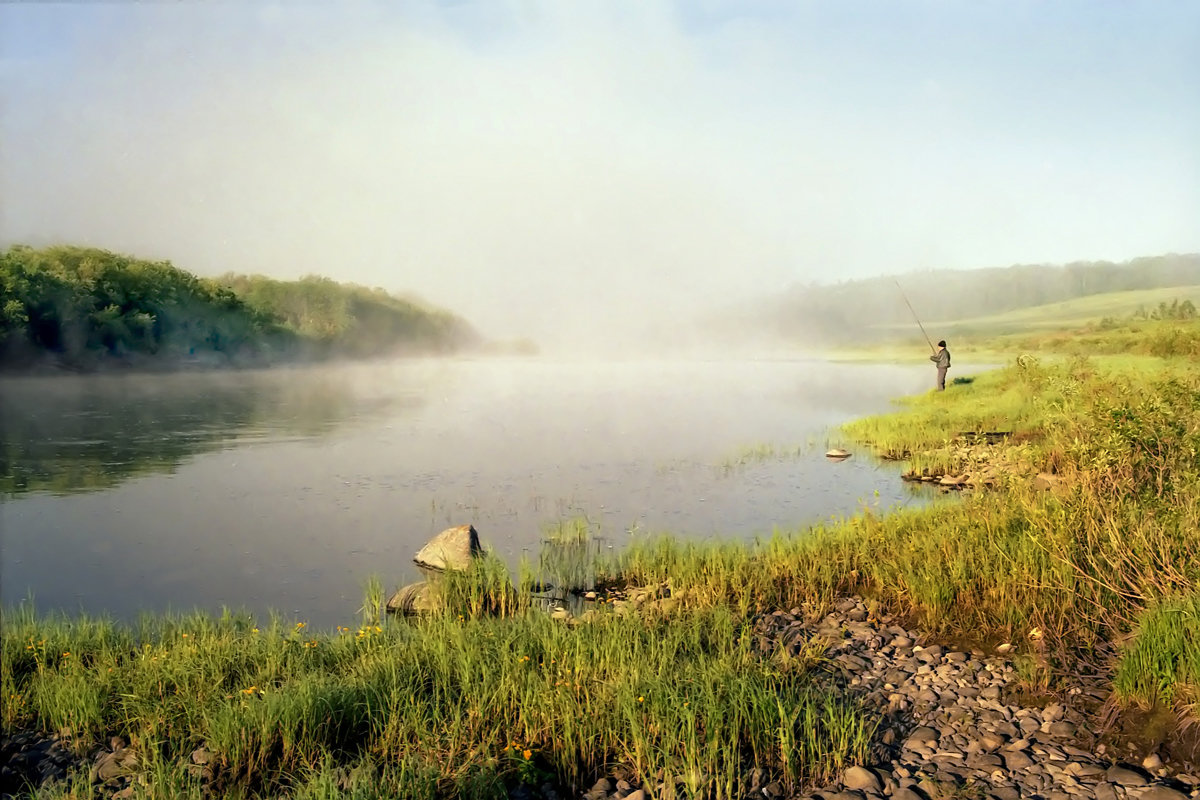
598, 175
286, 489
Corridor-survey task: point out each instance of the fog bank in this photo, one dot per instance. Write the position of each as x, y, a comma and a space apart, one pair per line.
584, 173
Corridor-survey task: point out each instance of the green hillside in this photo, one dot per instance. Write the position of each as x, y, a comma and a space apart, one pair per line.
864, 312
1069, 314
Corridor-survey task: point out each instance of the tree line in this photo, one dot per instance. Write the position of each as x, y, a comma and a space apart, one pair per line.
84, 308
851, 311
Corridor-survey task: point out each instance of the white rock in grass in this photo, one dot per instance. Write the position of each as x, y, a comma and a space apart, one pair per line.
453, 548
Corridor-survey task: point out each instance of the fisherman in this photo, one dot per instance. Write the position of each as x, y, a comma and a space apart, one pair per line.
942, 358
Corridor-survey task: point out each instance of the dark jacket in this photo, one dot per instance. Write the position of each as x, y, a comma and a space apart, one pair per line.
942, 359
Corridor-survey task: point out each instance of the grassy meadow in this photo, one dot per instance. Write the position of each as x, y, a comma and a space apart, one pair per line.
491, 692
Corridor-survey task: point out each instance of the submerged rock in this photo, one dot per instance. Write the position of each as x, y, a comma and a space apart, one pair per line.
837, 454
453, 548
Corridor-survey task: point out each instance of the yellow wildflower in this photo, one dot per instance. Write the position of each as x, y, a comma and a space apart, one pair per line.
527, 753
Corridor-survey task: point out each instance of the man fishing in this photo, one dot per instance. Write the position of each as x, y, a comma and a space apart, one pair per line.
941, 357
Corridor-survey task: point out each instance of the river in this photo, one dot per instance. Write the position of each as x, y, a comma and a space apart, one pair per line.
285, 489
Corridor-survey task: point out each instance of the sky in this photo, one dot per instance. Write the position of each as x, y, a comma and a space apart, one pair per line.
579, 171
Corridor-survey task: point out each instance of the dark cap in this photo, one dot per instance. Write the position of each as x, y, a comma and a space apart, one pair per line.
942, 343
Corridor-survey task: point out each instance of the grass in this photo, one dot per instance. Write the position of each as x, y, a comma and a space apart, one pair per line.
1081, 327
491, 692
1075, 313
448, 703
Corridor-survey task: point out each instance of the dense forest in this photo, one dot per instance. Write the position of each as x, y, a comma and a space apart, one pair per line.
858, 311
84, 308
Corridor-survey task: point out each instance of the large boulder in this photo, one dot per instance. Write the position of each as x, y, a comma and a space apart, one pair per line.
416, 598
453, 548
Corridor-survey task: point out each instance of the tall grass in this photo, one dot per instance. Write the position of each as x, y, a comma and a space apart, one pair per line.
448, 698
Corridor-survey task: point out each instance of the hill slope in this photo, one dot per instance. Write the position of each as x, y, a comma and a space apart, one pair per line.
1068, 314
863, 311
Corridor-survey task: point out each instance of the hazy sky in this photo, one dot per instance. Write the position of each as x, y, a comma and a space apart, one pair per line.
571, 169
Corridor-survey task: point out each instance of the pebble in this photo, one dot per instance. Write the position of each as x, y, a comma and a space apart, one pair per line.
945, 731
862, 778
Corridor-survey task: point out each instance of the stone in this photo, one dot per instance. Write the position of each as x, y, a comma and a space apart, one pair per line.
602, 785
837, 454
922, 735
109, 766
636, 794
1152, 762
908, 793
862, 778
1105, 791
987, 762
849, 794
416, 598
991, 742
453, 548
931, 653
1017, 760
1161, 792
1125, 776
201, 756
1063, 730
940, 787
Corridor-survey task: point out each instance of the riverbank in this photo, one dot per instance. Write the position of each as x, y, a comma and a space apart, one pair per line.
702, 685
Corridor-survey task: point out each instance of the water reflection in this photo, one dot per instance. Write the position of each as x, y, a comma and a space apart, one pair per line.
286, 490
63, 435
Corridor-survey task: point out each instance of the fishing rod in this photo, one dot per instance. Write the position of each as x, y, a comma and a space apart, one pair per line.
915, 317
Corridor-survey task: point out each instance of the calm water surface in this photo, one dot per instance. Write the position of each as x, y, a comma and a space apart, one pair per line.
286, 489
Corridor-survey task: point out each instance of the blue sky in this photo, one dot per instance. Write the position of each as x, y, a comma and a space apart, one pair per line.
621, 161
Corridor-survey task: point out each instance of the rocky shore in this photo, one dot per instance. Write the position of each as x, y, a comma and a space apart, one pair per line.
948, 728
951, 726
